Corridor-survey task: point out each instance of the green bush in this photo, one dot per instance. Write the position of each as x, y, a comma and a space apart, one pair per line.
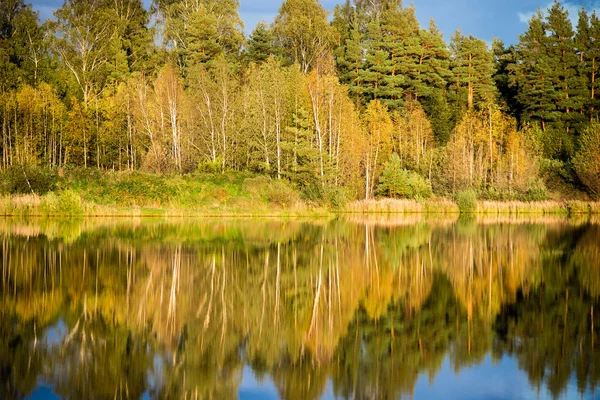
311, 189
282, 194
587, 159
467, 201
578, 207
398, 182
66, 202
277, 192
210, 166
493, 194
337, 197
536, 192
24, 180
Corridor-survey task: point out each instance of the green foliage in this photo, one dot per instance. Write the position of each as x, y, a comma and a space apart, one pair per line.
275, 192
337, 197
398, 182
282, 194
473, 67
301, 112
467, 201
67, 202
261, 44
304, 33
27, 179
587, 159
311, 189
210, 166
536, 192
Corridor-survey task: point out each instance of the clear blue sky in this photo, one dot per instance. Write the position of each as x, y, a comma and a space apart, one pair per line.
505, 19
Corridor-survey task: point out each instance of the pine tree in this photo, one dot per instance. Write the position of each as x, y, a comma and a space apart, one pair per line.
375, 68
137, 39
587, 43
563, 65
349, 55
473, 67
433, 63
202, 38
504, 60
400, 40
532, 75
260, 45
198, 31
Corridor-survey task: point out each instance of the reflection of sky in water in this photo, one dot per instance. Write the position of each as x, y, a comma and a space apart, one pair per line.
487, 380
251, 388
154, 376
43, 392
55, 335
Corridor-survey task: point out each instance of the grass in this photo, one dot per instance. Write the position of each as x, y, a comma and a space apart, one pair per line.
486, 208
136, 194
402, 206
94, 193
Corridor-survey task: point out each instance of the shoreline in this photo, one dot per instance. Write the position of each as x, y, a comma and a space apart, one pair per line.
74, 206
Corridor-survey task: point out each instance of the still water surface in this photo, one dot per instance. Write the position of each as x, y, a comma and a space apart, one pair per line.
267, 309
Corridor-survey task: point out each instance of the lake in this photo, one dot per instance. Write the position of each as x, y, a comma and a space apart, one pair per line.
361, 308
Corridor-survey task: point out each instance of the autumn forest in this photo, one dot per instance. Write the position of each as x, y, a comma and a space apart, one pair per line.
362, 99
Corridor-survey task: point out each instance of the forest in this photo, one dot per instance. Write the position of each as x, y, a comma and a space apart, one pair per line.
363, 101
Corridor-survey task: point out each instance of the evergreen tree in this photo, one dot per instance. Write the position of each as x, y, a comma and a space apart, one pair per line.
473, 67
199, 31
401, 41
374, 72
587, 43
592, 62
349, 55
260, 45
438, 111
132, 46
504, 60
434, 62
563, 67
532, 75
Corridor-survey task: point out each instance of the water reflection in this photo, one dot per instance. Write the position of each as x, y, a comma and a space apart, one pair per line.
298, 309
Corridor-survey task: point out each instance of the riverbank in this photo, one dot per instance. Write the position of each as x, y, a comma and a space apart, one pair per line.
483, 207
71, 203
135, 194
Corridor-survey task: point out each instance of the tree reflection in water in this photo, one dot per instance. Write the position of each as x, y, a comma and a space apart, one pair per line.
172, 309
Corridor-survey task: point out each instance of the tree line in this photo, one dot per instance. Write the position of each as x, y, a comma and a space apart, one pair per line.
370, 103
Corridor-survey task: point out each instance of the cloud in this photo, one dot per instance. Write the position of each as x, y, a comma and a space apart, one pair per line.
572, 9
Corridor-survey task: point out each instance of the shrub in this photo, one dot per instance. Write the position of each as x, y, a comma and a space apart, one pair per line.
311, 189
67, 202
587, 159
281, 194
337, 197
398, 182
467, 201
25, 179
274, 191
578, 207
536, 192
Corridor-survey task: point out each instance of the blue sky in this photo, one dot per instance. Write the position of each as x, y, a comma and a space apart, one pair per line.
485, 19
